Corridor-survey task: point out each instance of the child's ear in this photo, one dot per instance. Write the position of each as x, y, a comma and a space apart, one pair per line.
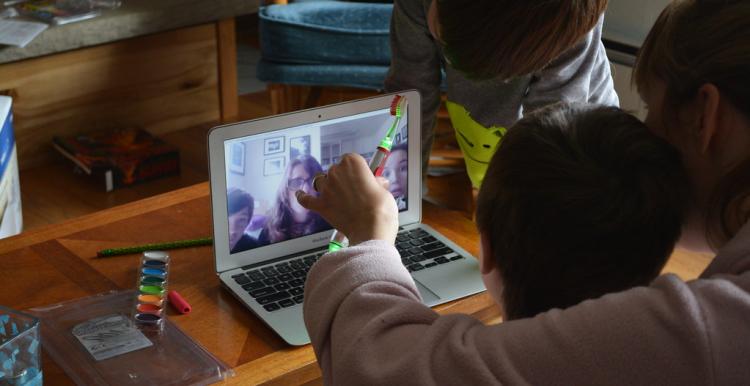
709, 99
487, 262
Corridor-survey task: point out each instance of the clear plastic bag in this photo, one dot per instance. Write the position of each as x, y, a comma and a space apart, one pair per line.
173, 358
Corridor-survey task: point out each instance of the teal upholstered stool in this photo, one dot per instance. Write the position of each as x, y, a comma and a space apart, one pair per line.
324, 43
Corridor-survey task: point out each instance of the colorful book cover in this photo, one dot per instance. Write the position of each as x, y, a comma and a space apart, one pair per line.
123, 157
59, 12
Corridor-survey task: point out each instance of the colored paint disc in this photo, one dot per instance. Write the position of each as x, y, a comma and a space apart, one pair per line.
147, 318
154, 264
150, 299
156, 255
152, 280
149, 309
154, 272
152, 290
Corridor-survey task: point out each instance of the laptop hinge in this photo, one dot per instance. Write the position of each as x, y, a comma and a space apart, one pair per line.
282, 258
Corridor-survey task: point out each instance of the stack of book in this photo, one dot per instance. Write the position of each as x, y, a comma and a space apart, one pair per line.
120, 157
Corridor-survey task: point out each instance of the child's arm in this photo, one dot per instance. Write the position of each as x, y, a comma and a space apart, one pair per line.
415, 60
367, 326
581, 74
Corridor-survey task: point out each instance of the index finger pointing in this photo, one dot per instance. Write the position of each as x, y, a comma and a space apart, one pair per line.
308, 201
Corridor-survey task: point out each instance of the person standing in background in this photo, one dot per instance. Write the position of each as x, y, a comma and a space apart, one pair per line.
502, 59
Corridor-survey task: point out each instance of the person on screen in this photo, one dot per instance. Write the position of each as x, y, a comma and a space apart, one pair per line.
396, 172
288, 219
240, 205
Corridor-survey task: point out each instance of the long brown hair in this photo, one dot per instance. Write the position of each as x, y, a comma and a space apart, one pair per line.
697, 42
510, 38
279, 225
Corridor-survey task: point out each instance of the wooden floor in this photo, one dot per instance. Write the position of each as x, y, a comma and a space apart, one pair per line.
53, 193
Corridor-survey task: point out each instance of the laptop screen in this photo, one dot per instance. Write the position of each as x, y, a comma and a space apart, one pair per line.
264, 171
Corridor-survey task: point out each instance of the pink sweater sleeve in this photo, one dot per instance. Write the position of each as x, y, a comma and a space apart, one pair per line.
367, 326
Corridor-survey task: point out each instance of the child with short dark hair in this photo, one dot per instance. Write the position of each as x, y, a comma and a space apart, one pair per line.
579, 201
240, 208
363, 309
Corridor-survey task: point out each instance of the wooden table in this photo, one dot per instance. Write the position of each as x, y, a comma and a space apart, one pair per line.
57, 263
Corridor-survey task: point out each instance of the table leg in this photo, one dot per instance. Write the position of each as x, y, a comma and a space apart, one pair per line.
227, 47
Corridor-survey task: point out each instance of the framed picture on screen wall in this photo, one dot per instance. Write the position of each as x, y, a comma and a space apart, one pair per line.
273, 145
299, 146
273, 166
237, 158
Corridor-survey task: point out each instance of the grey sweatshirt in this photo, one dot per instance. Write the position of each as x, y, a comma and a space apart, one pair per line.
581, 74
368, 327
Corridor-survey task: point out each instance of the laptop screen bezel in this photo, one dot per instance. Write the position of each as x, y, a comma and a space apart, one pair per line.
218, 184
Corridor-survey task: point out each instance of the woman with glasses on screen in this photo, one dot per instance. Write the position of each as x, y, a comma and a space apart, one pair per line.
288, 219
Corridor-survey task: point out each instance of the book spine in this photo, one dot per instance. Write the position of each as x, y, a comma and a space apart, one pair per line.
65, 150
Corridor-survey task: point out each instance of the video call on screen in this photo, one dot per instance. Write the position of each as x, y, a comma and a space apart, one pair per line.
263, 173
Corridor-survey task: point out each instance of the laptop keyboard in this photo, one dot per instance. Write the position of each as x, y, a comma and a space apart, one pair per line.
282, 285
419, 250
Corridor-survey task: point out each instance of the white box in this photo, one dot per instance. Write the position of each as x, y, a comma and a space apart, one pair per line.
11, 217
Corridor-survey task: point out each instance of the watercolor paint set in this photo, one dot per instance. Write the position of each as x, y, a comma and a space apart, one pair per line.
151, 299
121, 337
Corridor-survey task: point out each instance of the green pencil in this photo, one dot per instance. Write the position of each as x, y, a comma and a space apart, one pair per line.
154, 247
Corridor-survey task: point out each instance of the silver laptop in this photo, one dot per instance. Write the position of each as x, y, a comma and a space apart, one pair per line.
264, 242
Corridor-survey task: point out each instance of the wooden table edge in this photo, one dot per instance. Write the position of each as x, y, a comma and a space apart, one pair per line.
89, 221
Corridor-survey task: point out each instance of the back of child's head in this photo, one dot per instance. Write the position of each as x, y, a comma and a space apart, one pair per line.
578, 202
510, 38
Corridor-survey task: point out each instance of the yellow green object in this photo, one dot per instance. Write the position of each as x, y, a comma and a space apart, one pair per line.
478, 143
398, 106
377, 162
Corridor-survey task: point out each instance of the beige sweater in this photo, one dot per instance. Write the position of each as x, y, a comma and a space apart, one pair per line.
367, 326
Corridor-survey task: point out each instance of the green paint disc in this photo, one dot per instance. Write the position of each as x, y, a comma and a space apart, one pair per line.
152, 290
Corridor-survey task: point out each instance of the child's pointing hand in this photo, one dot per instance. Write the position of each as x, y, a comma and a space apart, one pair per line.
353, 201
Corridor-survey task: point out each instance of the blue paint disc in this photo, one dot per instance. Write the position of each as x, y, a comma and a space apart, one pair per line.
154, 272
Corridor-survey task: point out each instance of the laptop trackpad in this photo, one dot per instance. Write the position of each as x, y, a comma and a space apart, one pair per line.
428, 297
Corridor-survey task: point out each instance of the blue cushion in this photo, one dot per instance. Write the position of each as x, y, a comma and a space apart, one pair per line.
348, 75
326, 32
